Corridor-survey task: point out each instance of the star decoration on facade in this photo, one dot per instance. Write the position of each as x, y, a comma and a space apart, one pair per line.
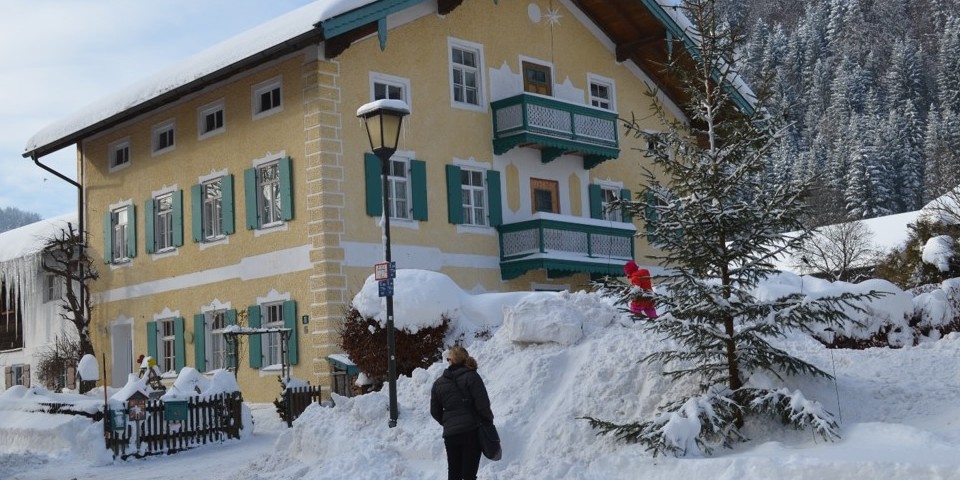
553, 16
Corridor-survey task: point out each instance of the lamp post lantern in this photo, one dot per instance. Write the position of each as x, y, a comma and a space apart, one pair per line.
382, 120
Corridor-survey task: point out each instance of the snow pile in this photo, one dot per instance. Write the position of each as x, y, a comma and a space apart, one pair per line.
542, 387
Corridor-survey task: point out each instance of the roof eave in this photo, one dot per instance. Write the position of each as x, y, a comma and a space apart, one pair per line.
314, 36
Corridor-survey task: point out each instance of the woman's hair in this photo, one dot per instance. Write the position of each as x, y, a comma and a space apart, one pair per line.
459, 356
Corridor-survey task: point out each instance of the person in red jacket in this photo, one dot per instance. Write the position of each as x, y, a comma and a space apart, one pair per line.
640, 277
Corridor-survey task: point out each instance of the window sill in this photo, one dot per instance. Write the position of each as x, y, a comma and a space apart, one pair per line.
222, 240
476, 229
267, 113
157, 153
270, 228
169, 252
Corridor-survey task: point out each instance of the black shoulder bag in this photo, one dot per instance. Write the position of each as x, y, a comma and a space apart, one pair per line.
486, 432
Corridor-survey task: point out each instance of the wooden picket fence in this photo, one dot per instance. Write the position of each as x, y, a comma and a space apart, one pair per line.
294, 400
210, 420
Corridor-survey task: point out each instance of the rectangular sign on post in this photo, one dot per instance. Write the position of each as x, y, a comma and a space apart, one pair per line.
385, 287
381, 271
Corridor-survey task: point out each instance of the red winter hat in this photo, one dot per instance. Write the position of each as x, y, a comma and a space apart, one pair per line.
630, 267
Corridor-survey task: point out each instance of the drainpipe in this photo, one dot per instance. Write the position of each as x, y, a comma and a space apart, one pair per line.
80, 216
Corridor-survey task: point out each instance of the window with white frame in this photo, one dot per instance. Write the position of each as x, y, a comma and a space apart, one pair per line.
608, 195
474, 194
119, 153
212, 195
267, 98
272, 318
166, 345
398, 189
18, 373
52, 287
119, 225
216, 354
210, 120
389, 87
601, 92
163, 222
466, 80
163, 137
268, 198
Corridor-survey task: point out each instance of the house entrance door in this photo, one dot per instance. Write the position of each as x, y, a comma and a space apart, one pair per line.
121, 341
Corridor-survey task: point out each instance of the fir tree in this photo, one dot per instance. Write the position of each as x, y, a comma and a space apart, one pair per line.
719, 223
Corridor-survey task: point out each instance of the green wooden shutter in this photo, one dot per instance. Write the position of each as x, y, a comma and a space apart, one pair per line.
108, 237
131, 231
200, 341
290, 321
179, 344
226, 192
150, 243
454, 195
418, 187
596, 201
250, 197
178, 218
493, 198
196, 212
152, 339
231, 347
626, 195
374, 184
253, 318
286, 189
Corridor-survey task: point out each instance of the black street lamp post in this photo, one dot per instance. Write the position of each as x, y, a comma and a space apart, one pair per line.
382, 120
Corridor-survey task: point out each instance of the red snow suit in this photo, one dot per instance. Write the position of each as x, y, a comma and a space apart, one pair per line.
640, 277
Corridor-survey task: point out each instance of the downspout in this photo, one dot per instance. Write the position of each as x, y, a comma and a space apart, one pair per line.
80, 216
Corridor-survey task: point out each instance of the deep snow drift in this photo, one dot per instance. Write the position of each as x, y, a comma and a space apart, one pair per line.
555, 357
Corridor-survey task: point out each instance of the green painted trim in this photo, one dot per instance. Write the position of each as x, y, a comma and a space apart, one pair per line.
108, 237
152, 340
253, 319
510, 270
660, 13
149, 241
596, 202
227, 205
196, 212
286, 189
373, 183
200, 342
290, 321
131, 231
351, 370
454, 195
418, 189
178, 218
250, 198
494, 199
179, 344
358, 17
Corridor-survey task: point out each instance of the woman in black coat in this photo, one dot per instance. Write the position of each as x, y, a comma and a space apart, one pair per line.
459, 402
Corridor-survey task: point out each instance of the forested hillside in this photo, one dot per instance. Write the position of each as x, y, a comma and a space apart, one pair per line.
12, 217
871, 93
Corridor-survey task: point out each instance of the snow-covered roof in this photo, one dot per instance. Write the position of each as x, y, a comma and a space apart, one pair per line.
221, 56
29, 239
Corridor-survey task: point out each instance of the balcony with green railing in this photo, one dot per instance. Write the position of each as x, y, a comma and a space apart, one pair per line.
555, 127
563, 245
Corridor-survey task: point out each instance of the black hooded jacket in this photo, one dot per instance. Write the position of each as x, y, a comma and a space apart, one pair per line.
447, 405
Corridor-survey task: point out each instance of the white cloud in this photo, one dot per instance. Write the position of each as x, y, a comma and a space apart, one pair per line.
60, 55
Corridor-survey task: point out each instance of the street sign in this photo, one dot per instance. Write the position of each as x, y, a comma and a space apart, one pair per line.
385, 287
384, 270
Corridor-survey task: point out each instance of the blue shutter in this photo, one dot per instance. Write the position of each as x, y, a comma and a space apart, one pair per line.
493, 198
596, 201
418, 187
373, 181
200, 342
454, 195
196, 212
626, 195
107, 237
178, 218
150, 243
290, 321
152, 339
253, 318
179, 344
131, 231
250, 197
286, 189
226, 190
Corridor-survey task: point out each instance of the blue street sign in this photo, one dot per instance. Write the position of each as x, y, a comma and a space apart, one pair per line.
392, 270
385, 288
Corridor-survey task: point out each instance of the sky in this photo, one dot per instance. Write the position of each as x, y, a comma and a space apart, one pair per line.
551, 359
57, 56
